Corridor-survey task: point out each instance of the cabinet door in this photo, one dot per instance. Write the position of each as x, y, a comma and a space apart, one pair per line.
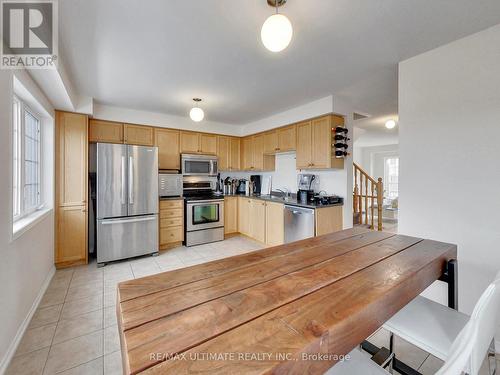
258, 152
138, 135
258, 220
234, 157
230, 215
105, 131
287, 138
167, 142
223, 147
321, 143
247, 154
71, 159
271, 142
275, 223
208, 144
244, 216
304, 145
71, 242
190, 142
329, 220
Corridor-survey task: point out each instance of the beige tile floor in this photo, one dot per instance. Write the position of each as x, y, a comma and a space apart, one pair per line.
74, 330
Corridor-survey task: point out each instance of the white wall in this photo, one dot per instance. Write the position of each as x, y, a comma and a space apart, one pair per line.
371, 159
27, 262
449, 118
105, 112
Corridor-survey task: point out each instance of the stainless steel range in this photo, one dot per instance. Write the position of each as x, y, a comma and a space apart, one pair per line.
204, 210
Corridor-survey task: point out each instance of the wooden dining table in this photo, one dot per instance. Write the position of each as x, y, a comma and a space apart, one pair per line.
296, 308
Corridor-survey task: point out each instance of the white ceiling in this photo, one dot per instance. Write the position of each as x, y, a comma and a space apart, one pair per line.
156, 55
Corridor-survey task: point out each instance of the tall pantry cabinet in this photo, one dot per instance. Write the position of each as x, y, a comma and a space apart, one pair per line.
71, 202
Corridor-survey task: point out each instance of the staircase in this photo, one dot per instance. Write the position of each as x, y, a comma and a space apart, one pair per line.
368, 197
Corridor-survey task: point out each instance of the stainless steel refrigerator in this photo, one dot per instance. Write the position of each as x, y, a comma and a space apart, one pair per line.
127, 201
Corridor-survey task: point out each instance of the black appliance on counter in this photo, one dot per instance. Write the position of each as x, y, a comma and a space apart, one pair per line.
256, 180
328, 199
305, 196
242, 187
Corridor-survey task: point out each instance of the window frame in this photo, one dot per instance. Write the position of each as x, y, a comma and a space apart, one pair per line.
387, 181
20, 171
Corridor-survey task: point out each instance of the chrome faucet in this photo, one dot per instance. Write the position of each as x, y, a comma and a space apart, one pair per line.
284, 193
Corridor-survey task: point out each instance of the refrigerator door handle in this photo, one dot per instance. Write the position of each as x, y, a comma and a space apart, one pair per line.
130, 180
123, 180
123, 221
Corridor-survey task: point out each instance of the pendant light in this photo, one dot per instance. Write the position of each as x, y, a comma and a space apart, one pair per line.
390, 124
196, 113
277, 31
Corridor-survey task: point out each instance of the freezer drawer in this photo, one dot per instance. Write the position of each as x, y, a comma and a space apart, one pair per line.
126, 237
299, 223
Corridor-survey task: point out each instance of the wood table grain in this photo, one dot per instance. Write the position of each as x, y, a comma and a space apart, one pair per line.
289, 309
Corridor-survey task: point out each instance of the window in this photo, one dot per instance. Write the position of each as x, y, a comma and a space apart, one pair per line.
391, 177
26, 159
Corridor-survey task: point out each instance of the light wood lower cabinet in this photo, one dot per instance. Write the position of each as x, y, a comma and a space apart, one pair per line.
244, 206
329, 220
71, 160
171, 223
257, 220
230, 215
275, 223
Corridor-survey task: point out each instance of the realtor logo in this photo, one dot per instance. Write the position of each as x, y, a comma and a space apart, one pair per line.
29, 34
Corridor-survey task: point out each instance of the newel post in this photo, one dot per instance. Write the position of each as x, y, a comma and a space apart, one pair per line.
380, 202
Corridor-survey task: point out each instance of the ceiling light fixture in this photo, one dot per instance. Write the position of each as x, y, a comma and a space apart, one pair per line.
277, 31
390, 124
196, 113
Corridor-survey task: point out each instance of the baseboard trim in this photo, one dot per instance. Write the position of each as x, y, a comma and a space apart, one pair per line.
4, 364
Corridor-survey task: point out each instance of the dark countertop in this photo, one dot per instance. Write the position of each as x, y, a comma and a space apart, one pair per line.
292, 201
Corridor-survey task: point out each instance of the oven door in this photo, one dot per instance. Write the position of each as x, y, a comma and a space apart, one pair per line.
204, 214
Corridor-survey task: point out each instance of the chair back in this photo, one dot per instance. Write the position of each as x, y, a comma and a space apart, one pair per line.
485, 315
461, 350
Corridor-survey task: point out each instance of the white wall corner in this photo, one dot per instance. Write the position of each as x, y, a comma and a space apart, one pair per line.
85, 104
4, 363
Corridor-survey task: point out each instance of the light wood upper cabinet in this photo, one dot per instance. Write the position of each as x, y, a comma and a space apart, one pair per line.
230, 215
198, 143
258, 152
105, 131
321, 142
71, 158
234, 153
314, 143
304, 145
190, 143
247, 153
258, 220
208, 144
167, 142
223, 152
271, 142
287, 138
138, 135
275, 223
244, 205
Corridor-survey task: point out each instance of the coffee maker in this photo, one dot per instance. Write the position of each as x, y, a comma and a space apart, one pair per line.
305, 193
256, 183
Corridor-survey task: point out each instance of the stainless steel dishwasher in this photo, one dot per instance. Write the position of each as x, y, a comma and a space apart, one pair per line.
299, 223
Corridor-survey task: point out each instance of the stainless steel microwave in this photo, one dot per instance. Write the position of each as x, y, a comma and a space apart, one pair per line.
199, 165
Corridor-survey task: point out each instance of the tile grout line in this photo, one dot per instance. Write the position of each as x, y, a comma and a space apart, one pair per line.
57, 325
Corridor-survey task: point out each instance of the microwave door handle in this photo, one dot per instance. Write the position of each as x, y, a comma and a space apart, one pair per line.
130, 180
123, 180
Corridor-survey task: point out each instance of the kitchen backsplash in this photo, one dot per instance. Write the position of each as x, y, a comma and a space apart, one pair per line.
285, 176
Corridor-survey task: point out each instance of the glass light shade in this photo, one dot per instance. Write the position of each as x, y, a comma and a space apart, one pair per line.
196, 114
276, 33
390, 124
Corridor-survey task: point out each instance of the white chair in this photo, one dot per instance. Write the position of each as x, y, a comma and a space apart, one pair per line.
361, 364
434, 327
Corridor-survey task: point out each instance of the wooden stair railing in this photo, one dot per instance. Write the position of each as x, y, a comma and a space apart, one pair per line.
367, 190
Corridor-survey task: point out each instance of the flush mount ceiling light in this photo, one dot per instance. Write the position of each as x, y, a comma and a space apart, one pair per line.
277, 31
390, 124
196, 113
